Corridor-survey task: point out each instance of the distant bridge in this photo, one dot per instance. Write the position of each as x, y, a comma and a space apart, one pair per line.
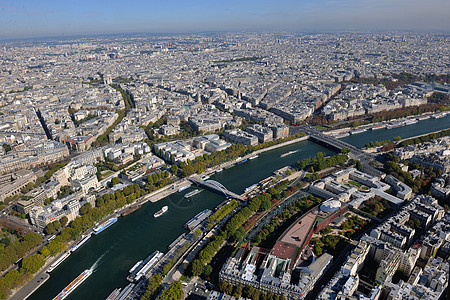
337, 144
217, 187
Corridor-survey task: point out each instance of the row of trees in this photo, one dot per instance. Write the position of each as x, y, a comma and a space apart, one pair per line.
30, 265
320, 161
222, 213
425, 138
381, 143
13, 251
55, 226
174, 292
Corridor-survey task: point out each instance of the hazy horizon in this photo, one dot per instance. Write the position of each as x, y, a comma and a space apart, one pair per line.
29, 19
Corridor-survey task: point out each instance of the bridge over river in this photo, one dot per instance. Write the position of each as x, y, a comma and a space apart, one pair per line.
217, 187
355, 152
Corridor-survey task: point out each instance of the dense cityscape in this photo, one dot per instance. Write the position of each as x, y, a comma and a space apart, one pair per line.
254, 151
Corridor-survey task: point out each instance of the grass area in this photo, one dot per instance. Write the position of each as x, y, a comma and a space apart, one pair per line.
354, 183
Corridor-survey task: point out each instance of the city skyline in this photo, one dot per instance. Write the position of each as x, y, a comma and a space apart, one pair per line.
25, 19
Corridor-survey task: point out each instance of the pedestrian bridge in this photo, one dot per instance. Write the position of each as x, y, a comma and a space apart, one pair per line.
218, 188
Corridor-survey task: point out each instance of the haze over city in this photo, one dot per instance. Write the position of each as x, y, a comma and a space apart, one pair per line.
224, 150
28, 18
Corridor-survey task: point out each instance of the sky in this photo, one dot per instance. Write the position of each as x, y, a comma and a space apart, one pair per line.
41, 18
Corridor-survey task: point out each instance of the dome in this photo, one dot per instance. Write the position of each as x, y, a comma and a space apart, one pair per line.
330, 206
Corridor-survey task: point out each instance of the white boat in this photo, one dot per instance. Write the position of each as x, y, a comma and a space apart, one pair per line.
253, 157
84, 240
193, 193
161, 211
73, 285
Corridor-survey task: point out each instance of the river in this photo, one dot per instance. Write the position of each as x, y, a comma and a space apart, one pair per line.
421, 127
133, 237
113, 252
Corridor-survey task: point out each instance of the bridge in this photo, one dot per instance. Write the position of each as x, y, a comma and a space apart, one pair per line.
337, 144
218, 188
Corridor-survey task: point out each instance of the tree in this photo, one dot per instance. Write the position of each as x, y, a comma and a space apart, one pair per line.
174, 169
50, 228
207, 270
85, 208
196, 267
6, 147
33, 263
345, 150
64, 220
265, 205
115, 180
153, 284
174, 292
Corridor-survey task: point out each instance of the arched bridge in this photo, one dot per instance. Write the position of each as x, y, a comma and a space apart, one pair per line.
217, 187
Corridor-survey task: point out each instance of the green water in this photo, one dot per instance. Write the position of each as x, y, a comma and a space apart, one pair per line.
114, 251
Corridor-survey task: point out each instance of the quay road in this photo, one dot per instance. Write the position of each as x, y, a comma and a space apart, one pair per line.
355, 152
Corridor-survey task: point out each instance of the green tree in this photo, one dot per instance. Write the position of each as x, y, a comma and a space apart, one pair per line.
153, 284
115, 180
32, 264
85, 208
265, 205
174, 169
63, 221
207, 270
174, 292
196, 267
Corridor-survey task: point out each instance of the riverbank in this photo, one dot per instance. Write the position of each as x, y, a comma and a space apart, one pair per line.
383, 125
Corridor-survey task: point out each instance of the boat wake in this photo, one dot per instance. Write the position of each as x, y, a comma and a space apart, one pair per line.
96, 263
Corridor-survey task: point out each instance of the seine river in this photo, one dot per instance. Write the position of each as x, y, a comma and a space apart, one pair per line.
133, 237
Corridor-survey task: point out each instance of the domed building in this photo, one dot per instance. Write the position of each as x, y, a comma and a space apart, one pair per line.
330, 206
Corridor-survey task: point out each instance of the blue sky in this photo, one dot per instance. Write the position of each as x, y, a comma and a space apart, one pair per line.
30, 18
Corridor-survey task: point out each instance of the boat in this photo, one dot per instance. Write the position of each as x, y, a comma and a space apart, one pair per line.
136, 265
205, 178
114, 294
55, 264
84, 240
410, 122
287, 153
250, 188
229, 166
184, 188
421, 118
73, 285
356, 131
197, 219
176, 241
241, 161
193, 193
378, 127
145, 266
253, 157
126, 291
395, 125
105, 225
438, 116
130, 210
341, 135
160, 212
219, 170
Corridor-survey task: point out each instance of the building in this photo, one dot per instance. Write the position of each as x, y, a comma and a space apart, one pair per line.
239, 136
